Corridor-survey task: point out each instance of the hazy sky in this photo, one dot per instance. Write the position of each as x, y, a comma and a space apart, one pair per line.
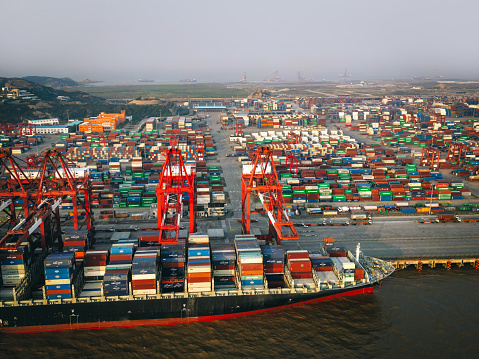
217, 40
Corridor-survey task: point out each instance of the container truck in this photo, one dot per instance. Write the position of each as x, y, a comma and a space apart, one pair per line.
446, 218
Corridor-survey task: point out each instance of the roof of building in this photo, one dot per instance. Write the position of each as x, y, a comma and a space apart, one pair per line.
53, 127
204, 107
45, 119
74, 123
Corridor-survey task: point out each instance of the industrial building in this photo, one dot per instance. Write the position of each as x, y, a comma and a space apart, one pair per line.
48, 130
44, 122
104, 122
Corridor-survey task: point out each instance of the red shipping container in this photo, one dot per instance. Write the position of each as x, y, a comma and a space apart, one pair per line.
224, 267
251, 266
199, 280
121, 257
173, 265
300, 266
301, 275
144, 281
297, 254
337, 254
358, 273
324, 269
58, 291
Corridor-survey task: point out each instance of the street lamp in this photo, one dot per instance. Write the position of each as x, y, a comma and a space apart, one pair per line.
432, 192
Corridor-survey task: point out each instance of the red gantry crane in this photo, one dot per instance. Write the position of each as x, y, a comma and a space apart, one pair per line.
261, 179
457, 151
292, 162
239, 130
430, 157
176, 180
294, 138
40, 192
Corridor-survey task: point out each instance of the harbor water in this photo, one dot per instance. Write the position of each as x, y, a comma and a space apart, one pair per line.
433, 313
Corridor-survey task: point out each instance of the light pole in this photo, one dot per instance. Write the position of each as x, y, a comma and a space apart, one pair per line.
432, 192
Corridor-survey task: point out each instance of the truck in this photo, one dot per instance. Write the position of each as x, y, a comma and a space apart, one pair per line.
360, 216
474, 219
361, 222
448, 218
337, 222
428, 220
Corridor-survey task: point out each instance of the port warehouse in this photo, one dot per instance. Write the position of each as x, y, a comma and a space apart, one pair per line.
332, 142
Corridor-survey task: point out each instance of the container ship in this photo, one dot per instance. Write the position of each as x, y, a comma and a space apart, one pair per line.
191, 281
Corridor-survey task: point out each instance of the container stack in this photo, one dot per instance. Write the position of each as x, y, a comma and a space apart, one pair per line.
250, 262
172, 268
223, 263
144, 270
59, 272
95, 263
149, 238
77, 242
122, 253
199, 267
323, 267
92, 289
14, 263
299, 266
116, 281
346, 267
273, 264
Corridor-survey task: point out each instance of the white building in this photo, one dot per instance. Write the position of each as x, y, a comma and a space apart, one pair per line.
45, 121
48, 130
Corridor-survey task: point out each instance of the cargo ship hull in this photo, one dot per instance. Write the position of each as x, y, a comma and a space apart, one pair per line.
149, 312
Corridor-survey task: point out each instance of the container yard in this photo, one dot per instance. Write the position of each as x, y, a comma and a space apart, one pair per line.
179, 180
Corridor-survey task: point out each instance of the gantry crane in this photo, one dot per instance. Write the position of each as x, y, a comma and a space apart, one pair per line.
294, 138
176, 180
41, 191
261, 179
292, 162
457, 151
18, 129
430, 157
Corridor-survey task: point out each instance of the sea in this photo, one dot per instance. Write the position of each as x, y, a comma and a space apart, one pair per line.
433, 313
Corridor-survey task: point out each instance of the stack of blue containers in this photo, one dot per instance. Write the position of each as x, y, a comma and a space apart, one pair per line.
223, 261
59, 272
173, 258
144, 271
273, 264
116, 281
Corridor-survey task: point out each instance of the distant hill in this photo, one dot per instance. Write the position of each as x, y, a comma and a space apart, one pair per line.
54, 82
47, 93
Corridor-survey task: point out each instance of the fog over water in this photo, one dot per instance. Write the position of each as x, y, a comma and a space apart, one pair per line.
120, 41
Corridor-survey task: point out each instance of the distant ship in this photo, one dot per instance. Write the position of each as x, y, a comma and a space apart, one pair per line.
143, 80
188, 80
